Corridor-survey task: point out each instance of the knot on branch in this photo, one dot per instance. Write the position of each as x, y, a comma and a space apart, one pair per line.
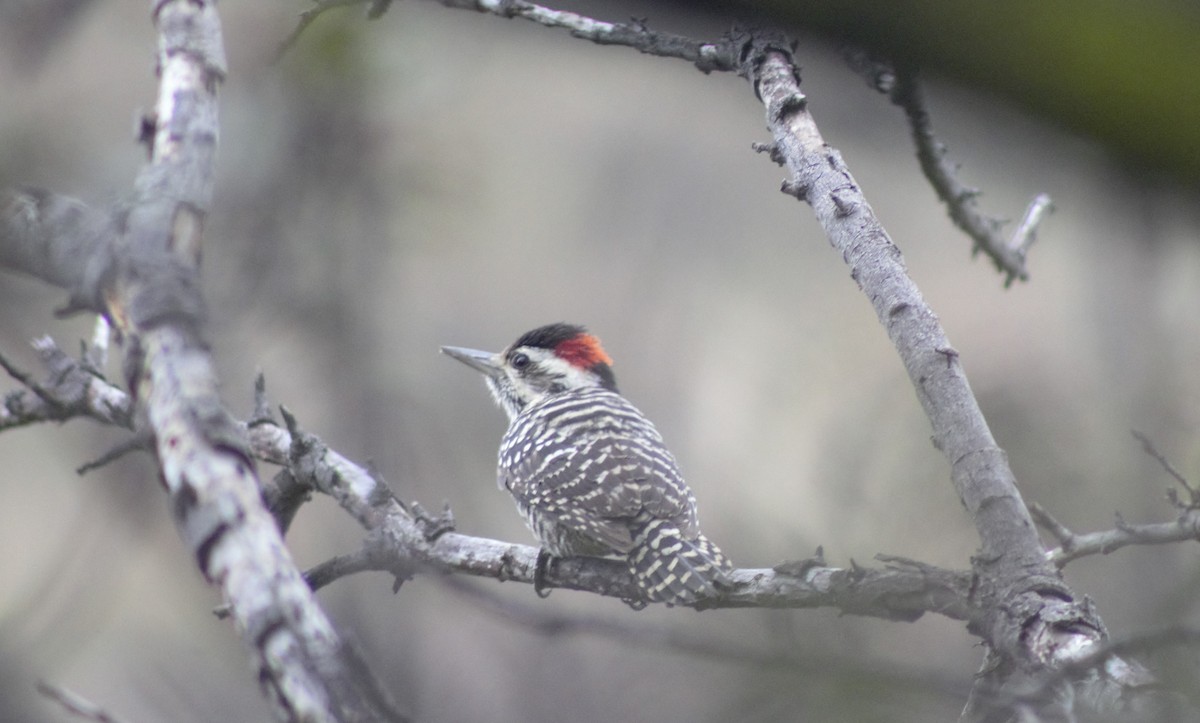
159, 289
305, 453
800, 568
772, 149
754, 46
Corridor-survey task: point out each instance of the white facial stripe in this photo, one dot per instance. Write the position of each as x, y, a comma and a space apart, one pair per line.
546, 369
545, 372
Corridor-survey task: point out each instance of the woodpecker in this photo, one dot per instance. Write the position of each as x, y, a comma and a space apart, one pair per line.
588, 471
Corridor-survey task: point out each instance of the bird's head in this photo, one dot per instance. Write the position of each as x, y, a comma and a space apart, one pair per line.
544, 362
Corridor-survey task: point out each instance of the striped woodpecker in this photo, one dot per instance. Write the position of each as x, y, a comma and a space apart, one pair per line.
589, 472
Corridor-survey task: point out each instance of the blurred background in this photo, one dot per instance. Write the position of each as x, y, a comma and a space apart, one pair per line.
444, 177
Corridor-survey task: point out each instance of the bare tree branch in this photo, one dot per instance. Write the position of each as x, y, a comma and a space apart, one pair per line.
319, 8
1008, 254
1149, 448
136, 443
402, 542
1025, 233
404, 539
76, 704
707, 57
140, 268
1012, 566
1011, 552
903, 590
95, 353
1026, 604
145, 281
69, 390
305, 667
271, 443
539, 620
1073, 545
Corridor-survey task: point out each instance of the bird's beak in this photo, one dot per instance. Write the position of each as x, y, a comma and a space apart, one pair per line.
480, 361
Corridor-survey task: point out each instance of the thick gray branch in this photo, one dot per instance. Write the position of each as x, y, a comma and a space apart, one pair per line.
980, 471
307, 670
141, 269
1033, 622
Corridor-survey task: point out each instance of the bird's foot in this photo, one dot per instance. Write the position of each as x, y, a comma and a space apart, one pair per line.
540, 570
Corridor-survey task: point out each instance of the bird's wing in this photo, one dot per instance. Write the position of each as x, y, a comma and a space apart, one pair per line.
596, 467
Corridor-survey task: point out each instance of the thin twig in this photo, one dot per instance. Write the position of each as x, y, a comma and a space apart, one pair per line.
307, 17
1061, 532
324, 573
1008, 255
1151, 450
72, 389
136, 443
262, 405
1026, 232
26, 379
335, 568
706, 56
96, 353
76, 704
1073, 546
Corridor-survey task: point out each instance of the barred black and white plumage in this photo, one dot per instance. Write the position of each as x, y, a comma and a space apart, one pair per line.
589, 472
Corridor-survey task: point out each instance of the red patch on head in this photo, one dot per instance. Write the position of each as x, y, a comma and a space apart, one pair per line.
583, 351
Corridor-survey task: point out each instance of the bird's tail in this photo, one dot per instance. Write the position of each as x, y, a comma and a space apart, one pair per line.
676, 570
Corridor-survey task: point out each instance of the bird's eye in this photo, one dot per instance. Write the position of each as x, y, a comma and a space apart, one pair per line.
519, 361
